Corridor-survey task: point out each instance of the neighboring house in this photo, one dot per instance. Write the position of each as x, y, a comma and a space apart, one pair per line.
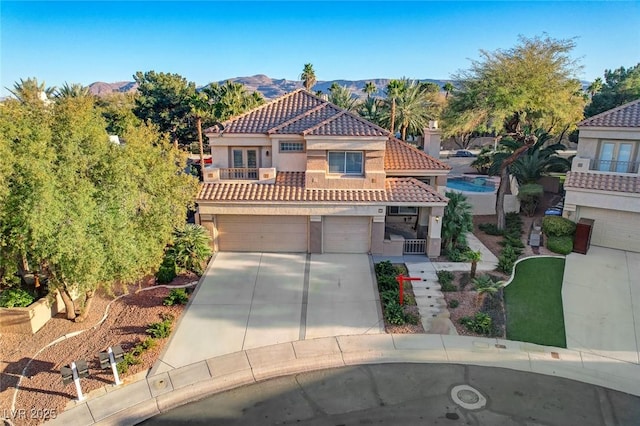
604, 183
299, 174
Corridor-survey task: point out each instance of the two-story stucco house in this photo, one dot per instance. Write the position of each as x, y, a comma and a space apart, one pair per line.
299, 174
604, 183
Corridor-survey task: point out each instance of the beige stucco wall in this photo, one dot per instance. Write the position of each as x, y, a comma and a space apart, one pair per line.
590, 138
293, 209
609, 200
346, 144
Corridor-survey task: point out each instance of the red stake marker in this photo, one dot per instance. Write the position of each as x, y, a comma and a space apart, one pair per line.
401, 279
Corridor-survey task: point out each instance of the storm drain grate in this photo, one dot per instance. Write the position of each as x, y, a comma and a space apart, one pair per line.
468, 397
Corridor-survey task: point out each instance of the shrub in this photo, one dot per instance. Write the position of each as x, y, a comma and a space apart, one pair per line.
387, 282
16, 298
444, 277
178, 296
448, 287
510, 240
411, 319
167, 271
483, 281
490, 229
453, 303
190, 248
560, 245
457, 254
160, 330
480, 323
507, 258
385, 268
394, 314
530, 196
557, 226
390, 296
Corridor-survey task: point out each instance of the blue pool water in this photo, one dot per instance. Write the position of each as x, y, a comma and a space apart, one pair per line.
471, 184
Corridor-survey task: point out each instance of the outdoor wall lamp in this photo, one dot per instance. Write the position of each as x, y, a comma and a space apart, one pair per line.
267, 153
437, 218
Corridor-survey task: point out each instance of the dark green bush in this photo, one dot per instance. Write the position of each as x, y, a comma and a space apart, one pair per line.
560, 245
178, 296
453, 303
160, 330
448, 287
490, 229
387, 282
167, 271
445, 277
480, 323
385, 268
394, 314
457, 254
557, 226
16, 297
411, 319
390, 296
507, 258
190, 249
510, 240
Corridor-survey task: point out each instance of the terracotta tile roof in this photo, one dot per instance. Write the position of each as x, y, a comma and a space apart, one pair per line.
603, 182
410, 190
301, 113
400, 155
289, 186
627, 115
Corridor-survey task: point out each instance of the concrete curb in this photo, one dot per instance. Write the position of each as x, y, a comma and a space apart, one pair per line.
162, 392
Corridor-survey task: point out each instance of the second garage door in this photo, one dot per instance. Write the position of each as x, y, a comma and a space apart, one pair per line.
613, 229
262, 233
346, 234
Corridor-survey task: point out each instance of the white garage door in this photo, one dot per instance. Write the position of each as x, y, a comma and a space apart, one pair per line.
262, 233
346, 234
613, 229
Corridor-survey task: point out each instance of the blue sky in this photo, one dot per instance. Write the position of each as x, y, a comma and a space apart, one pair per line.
84, 42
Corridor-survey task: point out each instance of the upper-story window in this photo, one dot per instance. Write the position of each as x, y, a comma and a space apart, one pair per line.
291, 147
345, 162
616, 157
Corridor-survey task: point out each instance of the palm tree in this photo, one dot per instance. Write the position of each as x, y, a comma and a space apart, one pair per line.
595, 87
200, 108
414, 109
394, 89
457, 221
448, 88
342, 97
484, 286
370, 88
30, 91
74, 90
371, 110
308, 77
230, 99
474, 257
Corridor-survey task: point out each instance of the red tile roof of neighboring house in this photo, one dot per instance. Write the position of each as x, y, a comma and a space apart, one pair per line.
627, 115
301, 113
400, 155
603, 182
290, 186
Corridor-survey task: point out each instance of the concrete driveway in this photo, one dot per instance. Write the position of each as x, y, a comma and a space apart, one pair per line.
601, 302
249, 300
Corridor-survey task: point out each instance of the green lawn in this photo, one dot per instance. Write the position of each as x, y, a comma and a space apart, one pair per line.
533, 303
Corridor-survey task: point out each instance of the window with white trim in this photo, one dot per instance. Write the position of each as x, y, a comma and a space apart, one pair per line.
345, 162
402, 211
617, 156
291, 147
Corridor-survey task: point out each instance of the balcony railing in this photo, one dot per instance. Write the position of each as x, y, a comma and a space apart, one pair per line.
239, 173
415, 246
616, 166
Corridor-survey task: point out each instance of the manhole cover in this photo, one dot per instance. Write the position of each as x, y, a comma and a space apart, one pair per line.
468, 397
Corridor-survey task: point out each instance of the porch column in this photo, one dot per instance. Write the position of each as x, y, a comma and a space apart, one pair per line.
377, 235
315, 234
435, 227
423, 222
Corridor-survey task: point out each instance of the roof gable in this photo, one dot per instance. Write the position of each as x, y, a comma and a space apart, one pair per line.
301, 113
627, 115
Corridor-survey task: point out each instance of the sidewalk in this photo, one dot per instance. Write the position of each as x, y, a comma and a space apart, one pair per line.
160, 393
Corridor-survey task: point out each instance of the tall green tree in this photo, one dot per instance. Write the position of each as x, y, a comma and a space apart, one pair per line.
393, 92
342, 97
415, 107
163, 99
201, 108
308, 77
371, 109
73, 90
83, 211
230, 99
620, 86
448, 88
117, 110
595, 87
533, 84
456, 222
369, 88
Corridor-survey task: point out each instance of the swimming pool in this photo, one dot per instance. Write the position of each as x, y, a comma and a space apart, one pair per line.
471, 184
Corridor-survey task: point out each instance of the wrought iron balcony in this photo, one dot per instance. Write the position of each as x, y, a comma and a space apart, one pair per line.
239, 174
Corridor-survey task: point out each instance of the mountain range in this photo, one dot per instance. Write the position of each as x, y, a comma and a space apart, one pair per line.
269, 87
